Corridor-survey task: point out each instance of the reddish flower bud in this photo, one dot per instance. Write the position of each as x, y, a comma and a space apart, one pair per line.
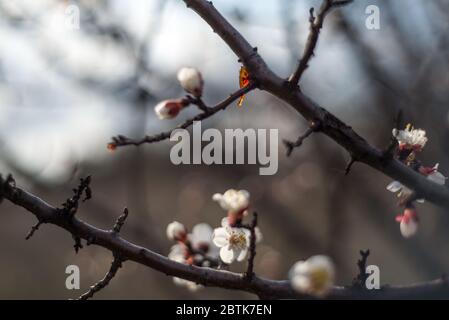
169, 109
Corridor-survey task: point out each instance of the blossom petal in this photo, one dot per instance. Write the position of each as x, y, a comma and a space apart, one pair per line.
395, 186
409, 228
301, 283
227, 255
242, 254
225, 222
220, 237
202, 232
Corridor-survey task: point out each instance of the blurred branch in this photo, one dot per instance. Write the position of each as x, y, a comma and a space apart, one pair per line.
125, 250
316, 23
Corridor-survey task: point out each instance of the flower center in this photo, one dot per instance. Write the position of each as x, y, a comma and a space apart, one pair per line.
319, 279
237, 240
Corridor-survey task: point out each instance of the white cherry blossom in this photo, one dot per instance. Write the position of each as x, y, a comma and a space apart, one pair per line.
411, 138
315, 276
233, 243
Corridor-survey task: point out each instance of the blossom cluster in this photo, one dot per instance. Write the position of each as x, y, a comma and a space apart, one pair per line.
411, 142
192, 82
194, 248
231, 242
207, 247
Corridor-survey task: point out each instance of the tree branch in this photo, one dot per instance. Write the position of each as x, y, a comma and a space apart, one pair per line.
273, 289
120, 140
331, 126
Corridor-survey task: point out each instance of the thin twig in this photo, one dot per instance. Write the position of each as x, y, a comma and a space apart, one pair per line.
360, 280
33, 230
290, 145
116, 264
120, 140
316, 23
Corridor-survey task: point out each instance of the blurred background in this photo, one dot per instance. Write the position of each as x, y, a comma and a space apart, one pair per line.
65, 91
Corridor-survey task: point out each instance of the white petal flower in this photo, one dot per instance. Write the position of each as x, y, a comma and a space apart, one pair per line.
169, 109
191, 81
234, 243
176, 231
233, 200
259, 235
411, 138
315, 276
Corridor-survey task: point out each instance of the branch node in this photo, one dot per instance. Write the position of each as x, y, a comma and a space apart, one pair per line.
350, 164
359, 281
78, 245
120, 221
70, 206
9, 182
90, 240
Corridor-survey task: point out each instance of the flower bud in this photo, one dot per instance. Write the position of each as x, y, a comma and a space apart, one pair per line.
176, 231
408, 222
191, 81
169, 109
234, 201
